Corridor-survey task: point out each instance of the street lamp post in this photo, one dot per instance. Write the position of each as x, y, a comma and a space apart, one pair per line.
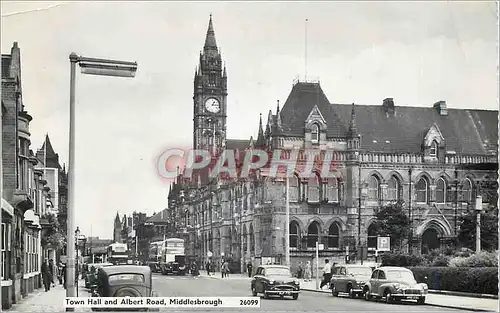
77, 234
89, 66
287, 222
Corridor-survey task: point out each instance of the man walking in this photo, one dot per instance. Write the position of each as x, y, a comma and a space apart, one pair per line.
46, 275
249, 268
327, 274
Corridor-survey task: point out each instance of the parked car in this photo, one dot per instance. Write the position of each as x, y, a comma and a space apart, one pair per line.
350, 279
394, 284
91, 274
124, 281
275, 280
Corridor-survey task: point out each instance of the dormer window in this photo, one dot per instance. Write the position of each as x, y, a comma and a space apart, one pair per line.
434, 149
315, 133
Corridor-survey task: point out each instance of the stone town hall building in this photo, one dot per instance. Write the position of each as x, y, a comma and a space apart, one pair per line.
431, 157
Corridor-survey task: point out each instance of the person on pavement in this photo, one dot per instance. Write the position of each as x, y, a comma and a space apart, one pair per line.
327, 274
308, 271
249, 269
46, 275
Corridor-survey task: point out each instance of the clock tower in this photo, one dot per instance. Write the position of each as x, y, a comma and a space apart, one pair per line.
210, 97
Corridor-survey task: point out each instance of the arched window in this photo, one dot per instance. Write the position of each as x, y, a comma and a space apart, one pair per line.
467, 190
333, 236
312, 234
422, 190
374, 188
393, 189
372, 237
441, 190
433, 152
294, 189
313, 188
294, 234
315, 133
332, 193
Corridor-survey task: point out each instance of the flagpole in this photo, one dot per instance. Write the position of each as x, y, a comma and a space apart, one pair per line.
287, 226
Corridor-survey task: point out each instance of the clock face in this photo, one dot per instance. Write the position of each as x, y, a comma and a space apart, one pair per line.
212, 105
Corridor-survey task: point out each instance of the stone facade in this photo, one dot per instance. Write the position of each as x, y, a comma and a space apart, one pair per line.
20, 218
434, 159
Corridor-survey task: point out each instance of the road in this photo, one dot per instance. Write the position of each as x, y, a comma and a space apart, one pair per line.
171, 286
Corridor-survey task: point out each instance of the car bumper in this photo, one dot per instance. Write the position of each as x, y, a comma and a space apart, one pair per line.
281, 292
409, 295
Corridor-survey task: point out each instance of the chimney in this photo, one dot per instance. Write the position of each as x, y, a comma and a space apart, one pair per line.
388, 106
440, 106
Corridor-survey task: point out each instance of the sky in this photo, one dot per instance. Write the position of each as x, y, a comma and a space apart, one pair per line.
362, 52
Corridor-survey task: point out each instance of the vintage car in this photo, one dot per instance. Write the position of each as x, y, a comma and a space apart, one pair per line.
275, 280
124, 281
394, 284
91, 273
350, 279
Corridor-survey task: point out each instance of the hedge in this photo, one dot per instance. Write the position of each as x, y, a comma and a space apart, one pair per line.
463, 279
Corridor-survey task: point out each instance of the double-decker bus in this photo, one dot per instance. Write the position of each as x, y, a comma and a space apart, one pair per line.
117, 253
174, 258
155, 255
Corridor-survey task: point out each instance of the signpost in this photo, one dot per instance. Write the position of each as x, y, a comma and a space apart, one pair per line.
319, 246
383, 244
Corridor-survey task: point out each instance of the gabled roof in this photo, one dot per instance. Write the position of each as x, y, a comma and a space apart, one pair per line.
52, 158
465, 131
161, 217
237, 144
302, 99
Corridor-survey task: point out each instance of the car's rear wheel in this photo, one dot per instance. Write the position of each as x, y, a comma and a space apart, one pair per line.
335, 292
367, 295
295, 296
350, 292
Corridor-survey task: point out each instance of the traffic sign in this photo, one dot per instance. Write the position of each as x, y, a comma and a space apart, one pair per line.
384, 243
321, 246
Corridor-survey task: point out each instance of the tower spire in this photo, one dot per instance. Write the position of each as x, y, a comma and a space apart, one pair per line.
352, 123
210, 43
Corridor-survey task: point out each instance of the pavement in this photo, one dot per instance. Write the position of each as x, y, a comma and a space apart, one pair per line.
434, 298
50, 301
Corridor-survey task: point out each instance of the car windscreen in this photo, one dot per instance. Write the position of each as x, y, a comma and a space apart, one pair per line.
361, 271
276, 271
115, 278
400, 275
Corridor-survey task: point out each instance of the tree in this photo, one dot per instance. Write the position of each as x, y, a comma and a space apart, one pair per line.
52, 235
392, 221
489, 230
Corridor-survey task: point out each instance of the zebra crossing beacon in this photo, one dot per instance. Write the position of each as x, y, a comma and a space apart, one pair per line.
118, 253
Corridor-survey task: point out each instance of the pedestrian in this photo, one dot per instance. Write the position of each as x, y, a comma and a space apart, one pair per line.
207, 267
225, 267
327, 274
63, 274
249, 268
308, 271
300, 271
60, 272
46, 275
51, 271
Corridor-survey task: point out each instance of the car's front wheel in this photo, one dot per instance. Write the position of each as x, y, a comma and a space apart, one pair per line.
295, 296
254, 291
388, 297
421, 301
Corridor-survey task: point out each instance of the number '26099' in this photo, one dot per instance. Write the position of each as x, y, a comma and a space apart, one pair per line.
249, 302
